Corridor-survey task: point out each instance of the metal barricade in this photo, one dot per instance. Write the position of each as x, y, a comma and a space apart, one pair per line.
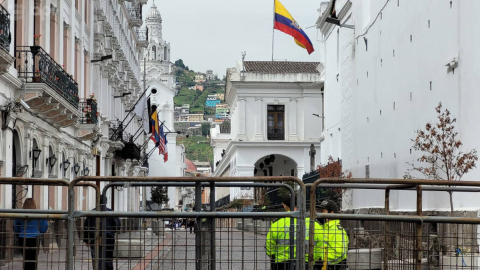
385, 240
209, 246
31, 238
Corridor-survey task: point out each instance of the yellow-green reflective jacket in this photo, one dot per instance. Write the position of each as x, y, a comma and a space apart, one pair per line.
335, 242
278, 240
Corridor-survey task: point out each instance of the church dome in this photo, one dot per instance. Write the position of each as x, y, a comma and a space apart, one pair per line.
154, 14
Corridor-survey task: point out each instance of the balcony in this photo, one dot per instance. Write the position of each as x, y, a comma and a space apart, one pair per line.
135, 14
130, 149
50, 91
88, 127
6, 59
276, 134
142, 37
88, 107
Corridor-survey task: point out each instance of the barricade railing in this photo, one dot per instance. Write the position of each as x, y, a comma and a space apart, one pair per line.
242, 252
31, 237
151, 240
403, 241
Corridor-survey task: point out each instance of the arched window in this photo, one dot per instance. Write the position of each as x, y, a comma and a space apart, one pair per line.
154, 50
165, 52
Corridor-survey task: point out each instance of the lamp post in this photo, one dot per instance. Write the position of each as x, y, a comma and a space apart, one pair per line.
35, 155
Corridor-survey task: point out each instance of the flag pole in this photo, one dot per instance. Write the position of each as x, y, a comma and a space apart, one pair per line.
273, 30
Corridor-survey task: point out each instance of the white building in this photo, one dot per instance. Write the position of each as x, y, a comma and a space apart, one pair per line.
383, 80
161, 90
272, 107
71, 113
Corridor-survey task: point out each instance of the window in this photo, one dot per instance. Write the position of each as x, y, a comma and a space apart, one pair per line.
276, 122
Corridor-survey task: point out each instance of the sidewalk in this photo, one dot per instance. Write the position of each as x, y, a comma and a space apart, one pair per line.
176, 251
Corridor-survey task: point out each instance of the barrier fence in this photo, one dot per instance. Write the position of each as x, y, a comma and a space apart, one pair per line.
231, 239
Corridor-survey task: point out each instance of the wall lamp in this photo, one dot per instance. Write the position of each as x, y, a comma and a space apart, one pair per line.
86, 171
76, 168
36, 154
123, 95
103, 58
51, 161
65, 165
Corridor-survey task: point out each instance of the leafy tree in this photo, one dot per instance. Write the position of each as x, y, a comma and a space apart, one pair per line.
179, 63
442, 156
206, 129
160, 195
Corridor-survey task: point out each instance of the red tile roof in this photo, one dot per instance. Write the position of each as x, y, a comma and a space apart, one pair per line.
278, 67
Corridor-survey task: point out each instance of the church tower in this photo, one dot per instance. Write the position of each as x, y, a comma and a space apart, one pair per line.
158, 49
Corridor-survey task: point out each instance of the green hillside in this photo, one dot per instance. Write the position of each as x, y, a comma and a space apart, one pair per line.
197, 147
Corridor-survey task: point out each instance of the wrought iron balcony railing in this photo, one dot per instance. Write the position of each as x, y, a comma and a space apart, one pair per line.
35, 65
5, 35
276, 134
88, 108
142, 34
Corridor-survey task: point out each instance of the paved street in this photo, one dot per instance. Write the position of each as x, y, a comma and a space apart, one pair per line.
235, 250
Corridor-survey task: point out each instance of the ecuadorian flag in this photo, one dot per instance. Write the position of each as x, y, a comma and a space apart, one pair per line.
155, 129
287, 24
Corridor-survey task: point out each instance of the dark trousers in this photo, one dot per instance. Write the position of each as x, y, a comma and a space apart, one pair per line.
30, 252
191, 224
279, 266
341, 266
105, 258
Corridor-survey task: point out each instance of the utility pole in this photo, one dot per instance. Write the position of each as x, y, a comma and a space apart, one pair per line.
312, 157
144, 189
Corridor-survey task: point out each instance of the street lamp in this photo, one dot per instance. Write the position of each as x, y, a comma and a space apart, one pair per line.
76, 168
51, 161
36, 154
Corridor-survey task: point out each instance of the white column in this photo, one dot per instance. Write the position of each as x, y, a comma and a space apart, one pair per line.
7, 196
292, 116
259, 118
242, 121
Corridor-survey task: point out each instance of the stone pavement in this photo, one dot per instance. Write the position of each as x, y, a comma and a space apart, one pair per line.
176, 251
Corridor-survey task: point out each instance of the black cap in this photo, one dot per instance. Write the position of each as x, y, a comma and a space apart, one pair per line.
329, 205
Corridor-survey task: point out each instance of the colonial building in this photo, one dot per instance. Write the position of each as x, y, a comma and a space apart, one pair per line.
272, 108
69, 71
383, 80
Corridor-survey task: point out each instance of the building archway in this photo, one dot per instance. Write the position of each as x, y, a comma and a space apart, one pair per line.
273, 165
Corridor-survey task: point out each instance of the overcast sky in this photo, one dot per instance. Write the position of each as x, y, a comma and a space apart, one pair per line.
211, 34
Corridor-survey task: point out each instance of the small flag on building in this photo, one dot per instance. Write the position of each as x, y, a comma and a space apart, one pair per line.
286, 23
162, 147
155, 129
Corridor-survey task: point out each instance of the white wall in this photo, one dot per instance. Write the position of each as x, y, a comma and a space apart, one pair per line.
405, 54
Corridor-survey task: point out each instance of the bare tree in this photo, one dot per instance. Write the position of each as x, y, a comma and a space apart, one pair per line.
442, 156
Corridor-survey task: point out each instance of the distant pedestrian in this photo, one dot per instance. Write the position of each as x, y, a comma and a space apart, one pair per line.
191, 223
29, 231
112, 226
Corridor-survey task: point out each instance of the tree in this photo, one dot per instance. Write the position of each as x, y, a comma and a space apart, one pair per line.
441, 149
206, 129
333, 169
159, 195
179, 63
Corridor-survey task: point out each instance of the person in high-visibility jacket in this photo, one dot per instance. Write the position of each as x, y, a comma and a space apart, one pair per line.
335, 240
278, 240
